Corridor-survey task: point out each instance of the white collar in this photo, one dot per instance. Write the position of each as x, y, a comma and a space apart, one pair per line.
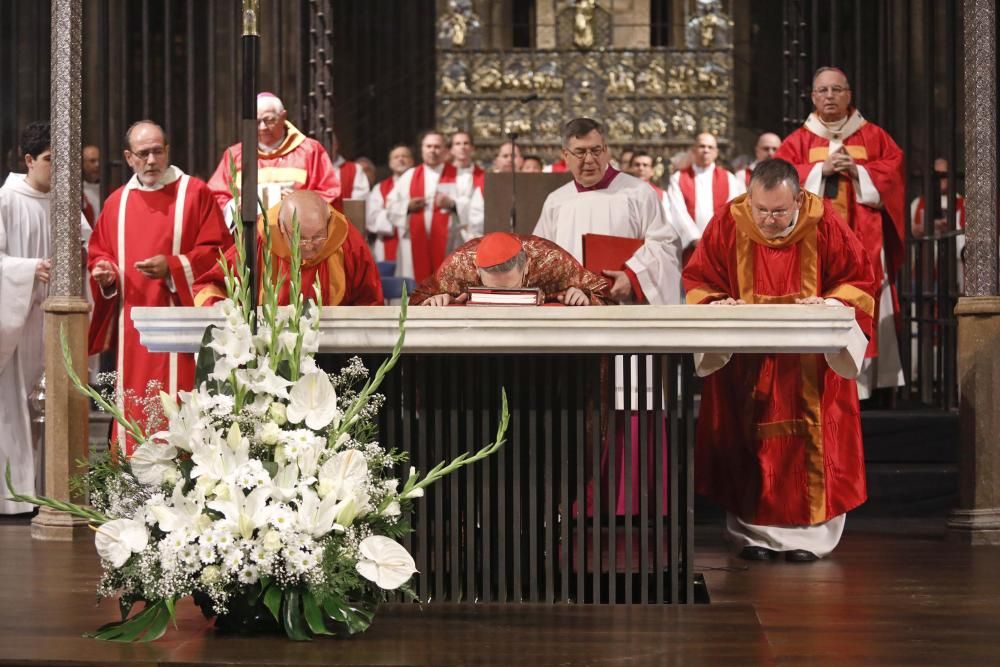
702, 170
790, 228
170, 174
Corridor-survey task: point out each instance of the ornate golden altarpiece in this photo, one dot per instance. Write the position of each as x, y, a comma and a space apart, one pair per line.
655, 98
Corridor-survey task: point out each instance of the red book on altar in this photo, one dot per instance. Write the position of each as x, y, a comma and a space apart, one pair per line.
501, 296
602, 252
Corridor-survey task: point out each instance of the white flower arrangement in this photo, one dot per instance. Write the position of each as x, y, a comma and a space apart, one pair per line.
265, 490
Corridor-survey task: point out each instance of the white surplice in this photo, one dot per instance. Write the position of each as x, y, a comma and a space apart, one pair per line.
399, 216
690, 229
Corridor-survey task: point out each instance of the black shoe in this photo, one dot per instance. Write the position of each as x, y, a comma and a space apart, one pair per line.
757, 553
800, 556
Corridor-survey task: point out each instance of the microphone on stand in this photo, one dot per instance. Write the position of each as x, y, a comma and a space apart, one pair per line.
513, 167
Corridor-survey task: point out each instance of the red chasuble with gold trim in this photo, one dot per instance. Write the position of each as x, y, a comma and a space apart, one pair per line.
345, 267
181, 221
299, 161
779, 435
872, 148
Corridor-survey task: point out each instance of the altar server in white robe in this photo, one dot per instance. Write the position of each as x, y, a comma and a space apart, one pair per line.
25, 268
385, 240
697, 191
469, 217
602, 200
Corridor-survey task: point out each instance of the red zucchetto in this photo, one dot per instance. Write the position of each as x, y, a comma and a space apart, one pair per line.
497, 248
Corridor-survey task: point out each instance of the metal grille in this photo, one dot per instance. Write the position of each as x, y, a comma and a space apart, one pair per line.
517, 527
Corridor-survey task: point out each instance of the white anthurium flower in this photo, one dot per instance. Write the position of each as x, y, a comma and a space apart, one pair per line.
313, 400
316, 517
117, 540
243, 513
343, 475
152, 460
182, 513
385, 562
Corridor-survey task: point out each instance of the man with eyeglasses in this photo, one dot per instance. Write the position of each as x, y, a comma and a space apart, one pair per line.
334, 256
287, 160
779, 435
858, 168
602, 200
698, 190
154, 237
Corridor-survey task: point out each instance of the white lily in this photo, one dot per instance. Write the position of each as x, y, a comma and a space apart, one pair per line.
151, 461
117, 540
285, 484
217, 460
243, 513
313, 400
315, 517
343, 475
183, 512
385, 562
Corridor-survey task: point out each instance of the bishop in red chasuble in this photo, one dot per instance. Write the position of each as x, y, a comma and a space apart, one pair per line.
779, 435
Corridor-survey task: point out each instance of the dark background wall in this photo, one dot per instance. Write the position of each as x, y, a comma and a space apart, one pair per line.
177, 61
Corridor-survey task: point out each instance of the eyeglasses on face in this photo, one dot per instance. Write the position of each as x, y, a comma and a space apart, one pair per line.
778, 214
157, 151
582, 153
269, 121
836, 90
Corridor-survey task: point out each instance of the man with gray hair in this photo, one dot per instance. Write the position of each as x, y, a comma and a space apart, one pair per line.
858, 168
602, 200
779, 435
287, 160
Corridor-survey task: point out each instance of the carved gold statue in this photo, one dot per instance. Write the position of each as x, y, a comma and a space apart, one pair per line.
583, 24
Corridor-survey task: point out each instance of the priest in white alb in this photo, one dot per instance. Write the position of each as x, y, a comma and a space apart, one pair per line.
383, 235
420, 207
25, 267
602, 200
470, 211
353, 180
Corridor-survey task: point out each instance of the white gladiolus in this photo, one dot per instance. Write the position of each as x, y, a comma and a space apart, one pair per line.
151, 461
385, 562
313, 400
117, 540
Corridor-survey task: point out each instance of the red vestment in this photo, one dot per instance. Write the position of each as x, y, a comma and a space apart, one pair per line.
549, 268
878, 228
180, 220
779, 435
299, 161
344, 266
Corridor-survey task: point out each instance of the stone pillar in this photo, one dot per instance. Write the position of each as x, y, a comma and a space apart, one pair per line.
66, 410
977, 518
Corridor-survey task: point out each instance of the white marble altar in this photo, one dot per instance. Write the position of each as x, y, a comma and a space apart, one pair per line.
551, 330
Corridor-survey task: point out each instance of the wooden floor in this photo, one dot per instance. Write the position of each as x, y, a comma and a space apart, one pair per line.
892, 594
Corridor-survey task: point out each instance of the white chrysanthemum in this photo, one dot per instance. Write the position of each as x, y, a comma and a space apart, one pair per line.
206, 554
117, 540
385, 562
249, 574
